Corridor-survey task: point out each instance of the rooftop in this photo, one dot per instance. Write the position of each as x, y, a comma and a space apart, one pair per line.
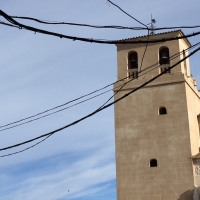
158, 34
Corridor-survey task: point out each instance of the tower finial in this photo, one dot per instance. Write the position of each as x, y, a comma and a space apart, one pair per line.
152, 27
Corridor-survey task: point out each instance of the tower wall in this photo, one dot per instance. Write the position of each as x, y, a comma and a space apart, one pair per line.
142, 134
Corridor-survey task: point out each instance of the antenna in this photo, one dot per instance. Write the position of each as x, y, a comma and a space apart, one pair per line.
152, 27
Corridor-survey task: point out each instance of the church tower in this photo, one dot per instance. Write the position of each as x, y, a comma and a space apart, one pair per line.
156, 128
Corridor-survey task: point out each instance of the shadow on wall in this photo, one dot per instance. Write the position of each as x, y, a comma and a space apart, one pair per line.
196, 193
189, 195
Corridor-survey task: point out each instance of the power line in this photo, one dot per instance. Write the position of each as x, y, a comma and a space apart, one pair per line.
78, 24
176, 27
10, 154
104, 107
171, 58
65, 103
138, 22
1, 22
55, 111
36, 30
128, 14
145, 51
118, 90
100, 26
115, 93
60, 110
17, 152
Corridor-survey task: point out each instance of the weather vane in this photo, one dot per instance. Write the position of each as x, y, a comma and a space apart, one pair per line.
152, 27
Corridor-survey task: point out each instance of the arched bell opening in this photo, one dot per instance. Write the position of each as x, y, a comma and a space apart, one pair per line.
164, 59
133, 64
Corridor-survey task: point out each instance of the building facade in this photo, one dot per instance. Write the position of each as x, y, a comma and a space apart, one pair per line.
156, 128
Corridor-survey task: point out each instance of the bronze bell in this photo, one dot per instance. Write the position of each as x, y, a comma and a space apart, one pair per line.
164, 56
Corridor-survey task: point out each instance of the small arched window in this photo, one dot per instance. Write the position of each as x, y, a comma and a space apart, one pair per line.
153, 163
164, 55
164, 59
133, 64
133, 60
162, 111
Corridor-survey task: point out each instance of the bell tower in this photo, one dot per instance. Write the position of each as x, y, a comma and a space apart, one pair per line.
156, 128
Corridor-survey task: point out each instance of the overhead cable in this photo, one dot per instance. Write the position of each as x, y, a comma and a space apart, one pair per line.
20, 151
99, 26
36, 30
78, 24
104, 107
171, 57
45, 111
154, 66
10, 154
127, 13
138, 22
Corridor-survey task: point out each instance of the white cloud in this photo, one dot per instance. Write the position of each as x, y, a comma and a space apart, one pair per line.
85, 177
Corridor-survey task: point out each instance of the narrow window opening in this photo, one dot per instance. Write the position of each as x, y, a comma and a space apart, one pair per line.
153, 163
133, 65
162, 111
164, 59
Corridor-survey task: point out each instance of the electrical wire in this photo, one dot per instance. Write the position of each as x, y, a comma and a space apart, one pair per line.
10, 154
17, 152
143, 53
57, 110
176, 27
98, 26
104, 107
52, 112
1, 22
64, 104
36, 30
171, 57
116, 92
78, 24
121, 86
127, 13
145, 45
138, 22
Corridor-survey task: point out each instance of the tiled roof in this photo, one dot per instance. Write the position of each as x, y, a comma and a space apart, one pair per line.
152, 35
139, 37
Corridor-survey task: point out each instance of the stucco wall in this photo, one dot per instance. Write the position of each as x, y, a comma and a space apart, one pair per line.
142, 134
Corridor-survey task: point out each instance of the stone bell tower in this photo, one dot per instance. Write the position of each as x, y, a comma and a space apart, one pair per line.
156, 128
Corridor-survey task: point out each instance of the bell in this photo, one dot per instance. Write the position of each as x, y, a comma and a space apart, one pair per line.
132, 59
164, 56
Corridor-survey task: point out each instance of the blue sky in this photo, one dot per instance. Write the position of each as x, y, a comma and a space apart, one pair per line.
39, 72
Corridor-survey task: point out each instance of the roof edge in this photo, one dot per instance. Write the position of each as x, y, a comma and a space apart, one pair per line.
159, 34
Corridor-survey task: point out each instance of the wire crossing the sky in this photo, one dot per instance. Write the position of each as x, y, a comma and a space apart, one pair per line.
36, 30
150, 68
46, 135
16, 24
